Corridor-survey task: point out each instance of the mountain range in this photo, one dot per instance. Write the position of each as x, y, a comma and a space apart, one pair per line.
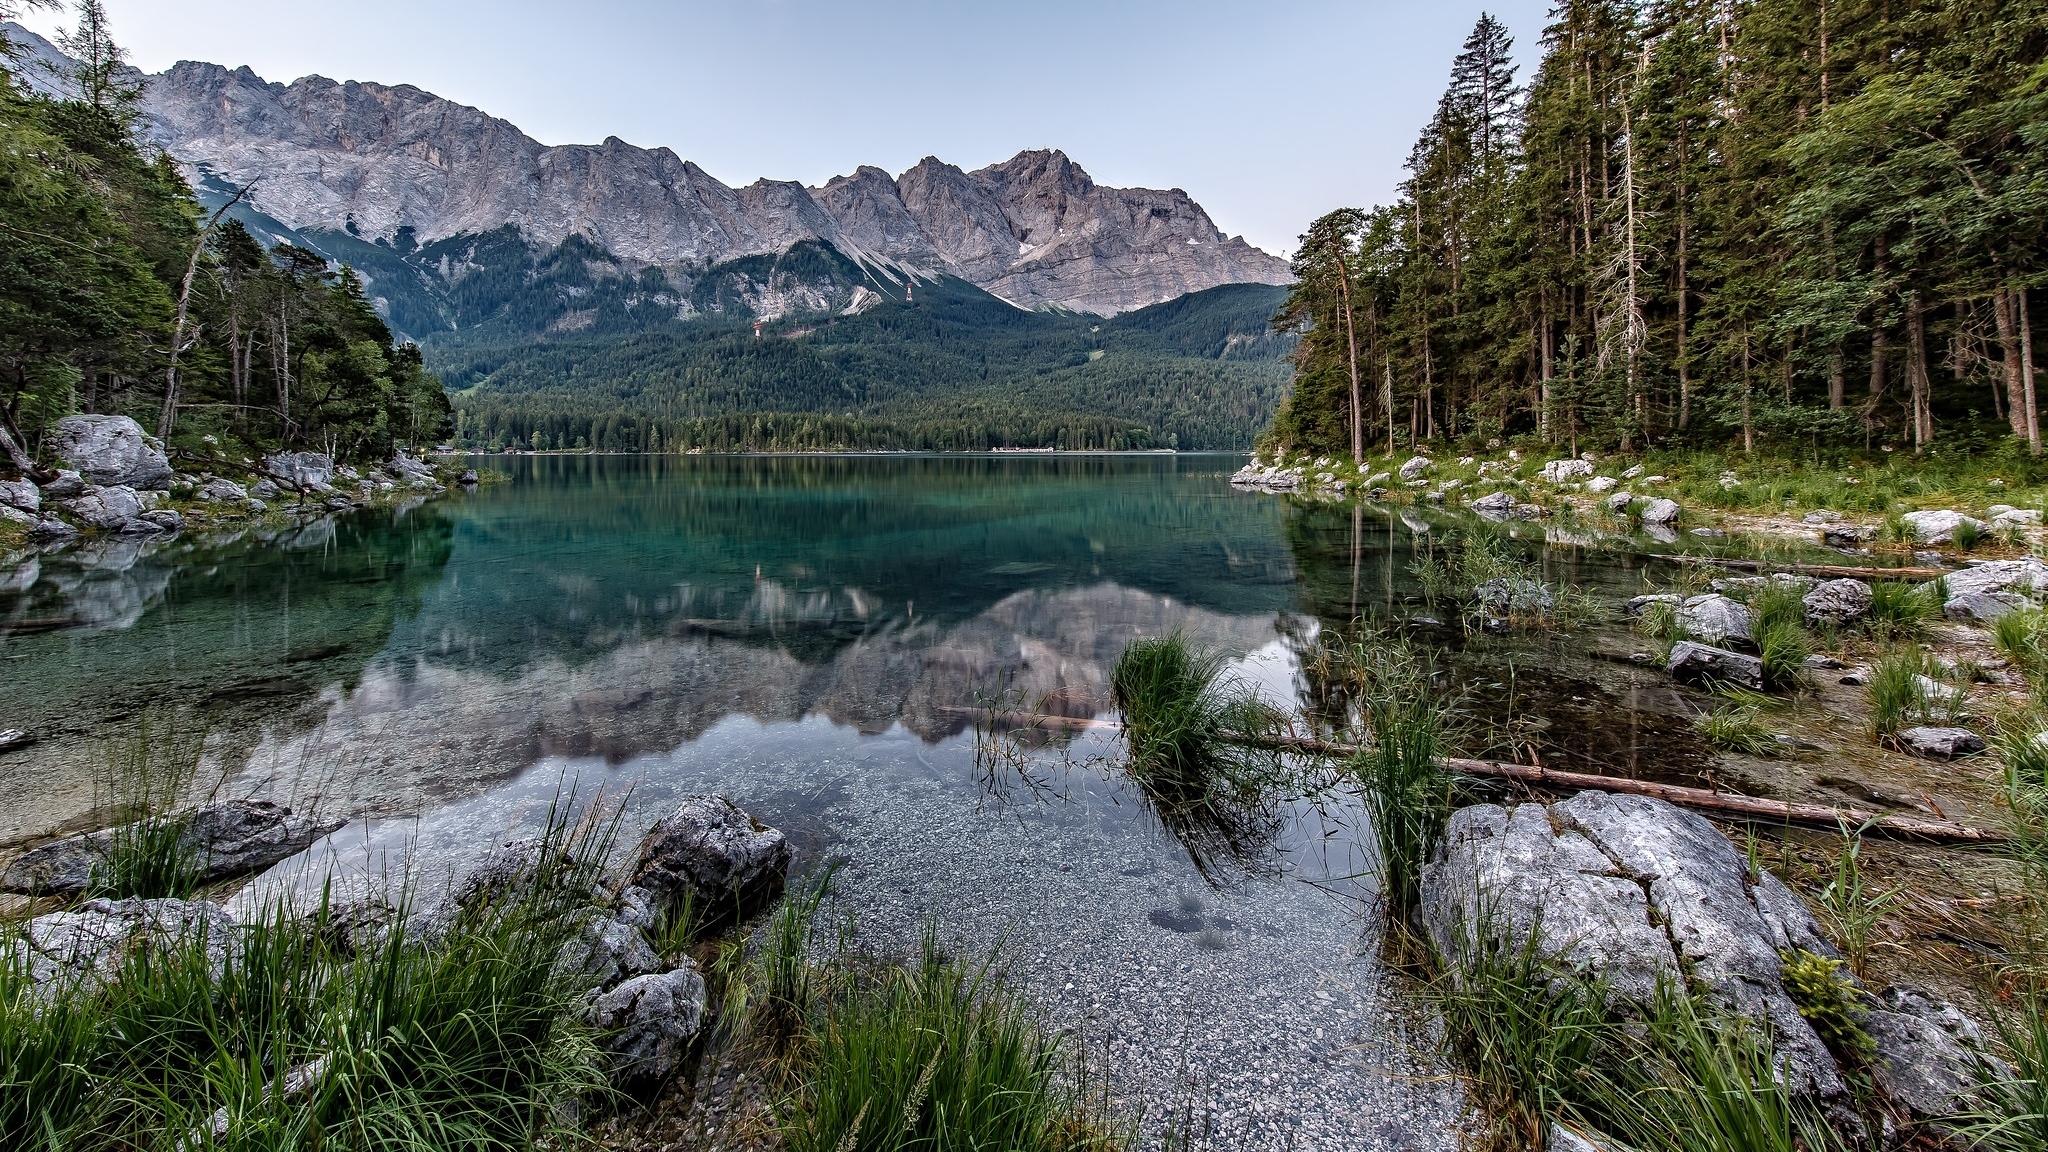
616, 279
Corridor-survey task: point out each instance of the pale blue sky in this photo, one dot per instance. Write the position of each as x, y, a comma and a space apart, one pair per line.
1268, 113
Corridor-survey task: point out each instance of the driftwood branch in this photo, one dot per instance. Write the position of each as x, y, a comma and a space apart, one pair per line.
1733, 805
1833, 571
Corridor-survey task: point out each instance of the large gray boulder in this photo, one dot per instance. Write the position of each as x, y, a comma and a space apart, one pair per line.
715, 856
1661, 511
2027, 576
1632, 891
1690, 661
1982, 607
300, 469
406, 468
1837, 602
1414, 468
1497, 505
1930, 1057
611, 949
646, 1024
1939, 527
109, 509
110, 450
1637, 605
1714, 619
86, 946
228, 838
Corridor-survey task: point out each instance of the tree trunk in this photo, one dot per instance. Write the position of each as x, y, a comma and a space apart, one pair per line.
2003, 309
1837, 395
1916, 374
2027, 375
1748, 386
1546, 367
1351, 344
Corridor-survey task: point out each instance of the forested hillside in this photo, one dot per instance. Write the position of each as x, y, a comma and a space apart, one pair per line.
120, 294
1808, 224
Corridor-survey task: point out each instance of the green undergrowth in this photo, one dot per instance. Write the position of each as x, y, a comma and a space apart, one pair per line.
1905, 690
469, 1042
1738, 728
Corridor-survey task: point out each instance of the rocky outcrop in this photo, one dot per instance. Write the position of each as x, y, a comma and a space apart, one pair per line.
373, 159
1635, 892
225, 839
306, 470
1930, 1057
1714, 619
112, 451
709, 853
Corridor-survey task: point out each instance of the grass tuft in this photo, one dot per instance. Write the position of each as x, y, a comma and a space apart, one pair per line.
1899, 610
1400, 770
1736, 728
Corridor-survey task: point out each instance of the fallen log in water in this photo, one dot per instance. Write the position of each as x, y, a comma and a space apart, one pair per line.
1731, 804
1832, 571
1734, 805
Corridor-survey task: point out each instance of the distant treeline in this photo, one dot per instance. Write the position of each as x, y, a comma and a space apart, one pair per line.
792, 432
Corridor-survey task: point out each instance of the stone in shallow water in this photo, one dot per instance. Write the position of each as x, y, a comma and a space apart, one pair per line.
1837, 602
1714, 619
228, 838
1691, 661
1939, 527
712, 853
1661, 511
1941, 743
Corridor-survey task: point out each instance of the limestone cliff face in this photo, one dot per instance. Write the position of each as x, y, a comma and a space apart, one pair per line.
373, 158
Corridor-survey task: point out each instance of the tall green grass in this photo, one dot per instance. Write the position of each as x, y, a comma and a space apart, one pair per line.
1900, 697
1737, 728
1778, 624
471, 1042
1899, 610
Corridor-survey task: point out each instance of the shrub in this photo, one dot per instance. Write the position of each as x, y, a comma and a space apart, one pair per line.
1828, 999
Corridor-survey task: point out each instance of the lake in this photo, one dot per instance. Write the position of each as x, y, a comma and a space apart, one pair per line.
824, 639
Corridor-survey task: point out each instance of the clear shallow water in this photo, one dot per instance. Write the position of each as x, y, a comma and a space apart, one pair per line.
815, 637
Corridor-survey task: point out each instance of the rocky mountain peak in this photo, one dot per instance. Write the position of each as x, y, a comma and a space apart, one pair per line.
374, 159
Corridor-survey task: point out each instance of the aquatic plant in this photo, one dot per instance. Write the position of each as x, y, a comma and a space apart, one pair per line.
1898, 693
1400, 771
150, 775
936, 1053
1736, 728
1199, 746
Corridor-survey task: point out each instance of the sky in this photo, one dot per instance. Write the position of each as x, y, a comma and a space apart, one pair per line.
1268, 112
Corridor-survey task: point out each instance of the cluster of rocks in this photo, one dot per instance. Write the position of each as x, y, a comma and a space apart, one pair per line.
1280, 477
1640, 894
1986, 590
114, 478
1717, 625
707, 856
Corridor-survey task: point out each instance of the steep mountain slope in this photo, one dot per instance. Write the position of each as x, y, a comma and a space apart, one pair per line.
378, 161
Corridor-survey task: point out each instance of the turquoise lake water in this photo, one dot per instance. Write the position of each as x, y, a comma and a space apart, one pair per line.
817, 637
